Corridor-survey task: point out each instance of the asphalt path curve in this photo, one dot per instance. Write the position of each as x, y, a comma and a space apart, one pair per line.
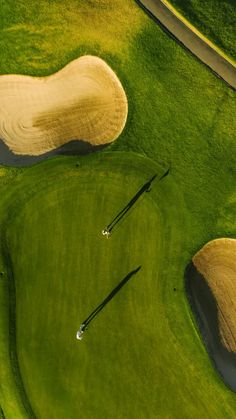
193, 40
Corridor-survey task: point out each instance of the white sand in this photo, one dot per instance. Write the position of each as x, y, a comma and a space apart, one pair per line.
83, 101
216, 261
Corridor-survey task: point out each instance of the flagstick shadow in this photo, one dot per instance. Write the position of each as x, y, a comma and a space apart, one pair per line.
145, 188
109, 298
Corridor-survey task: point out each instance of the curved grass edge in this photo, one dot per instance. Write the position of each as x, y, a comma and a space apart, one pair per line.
9, 210
2, 416
172, 264
74, 147
203, 328
12, 332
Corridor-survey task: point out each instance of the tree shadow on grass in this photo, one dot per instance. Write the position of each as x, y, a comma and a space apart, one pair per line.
204, 307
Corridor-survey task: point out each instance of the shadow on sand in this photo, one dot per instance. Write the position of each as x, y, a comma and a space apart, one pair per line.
109, 297
204, 307
72, 148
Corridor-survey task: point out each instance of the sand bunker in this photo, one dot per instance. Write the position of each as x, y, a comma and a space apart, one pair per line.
216, 262
83, 101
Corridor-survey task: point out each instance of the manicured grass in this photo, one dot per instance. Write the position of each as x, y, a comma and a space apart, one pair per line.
214, 18
179, 114
74, 268
141, 349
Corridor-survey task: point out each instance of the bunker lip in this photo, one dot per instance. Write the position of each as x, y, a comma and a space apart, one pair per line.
216, 262
72, 148
204, 307
84, 100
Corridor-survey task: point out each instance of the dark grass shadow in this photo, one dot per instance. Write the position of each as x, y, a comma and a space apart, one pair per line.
109, 297
126, 217
204, 307
123, 213
145, 188
13, 355
2, 416
72, 148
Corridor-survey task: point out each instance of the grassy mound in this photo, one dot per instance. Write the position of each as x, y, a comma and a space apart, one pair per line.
214, 18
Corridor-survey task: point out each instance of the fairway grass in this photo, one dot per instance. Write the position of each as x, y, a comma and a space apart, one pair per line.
142, 347
180, 115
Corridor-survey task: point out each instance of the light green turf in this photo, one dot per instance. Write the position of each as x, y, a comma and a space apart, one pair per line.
141, 350
214, 18
37, 37
179, 113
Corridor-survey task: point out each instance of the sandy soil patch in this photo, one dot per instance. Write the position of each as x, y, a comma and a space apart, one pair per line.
83, 101
216, 262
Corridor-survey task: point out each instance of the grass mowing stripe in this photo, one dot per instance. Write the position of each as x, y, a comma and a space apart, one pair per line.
166, 313
69, 194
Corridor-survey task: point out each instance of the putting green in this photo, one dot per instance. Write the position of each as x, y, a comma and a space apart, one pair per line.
63, 267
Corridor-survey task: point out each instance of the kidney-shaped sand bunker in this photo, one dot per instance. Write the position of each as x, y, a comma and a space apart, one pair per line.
211, 282
83, 101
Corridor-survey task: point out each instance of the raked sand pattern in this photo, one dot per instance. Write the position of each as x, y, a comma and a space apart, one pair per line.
83, 101
216, 262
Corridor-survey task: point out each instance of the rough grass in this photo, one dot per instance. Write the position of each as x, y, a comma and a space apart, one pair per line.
36, 38
214, 18
179, 113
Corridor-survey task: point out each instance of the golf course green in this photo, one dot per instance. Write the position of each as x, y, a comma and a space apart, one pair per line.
61, 267
143, 355
73, 268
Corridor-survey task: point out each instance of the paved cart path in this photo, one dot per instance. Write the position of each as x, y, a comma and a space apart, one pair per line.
193, 40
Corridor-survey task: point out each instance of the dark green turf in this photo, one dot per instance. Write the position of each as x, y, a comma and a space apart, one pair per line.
216, 19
